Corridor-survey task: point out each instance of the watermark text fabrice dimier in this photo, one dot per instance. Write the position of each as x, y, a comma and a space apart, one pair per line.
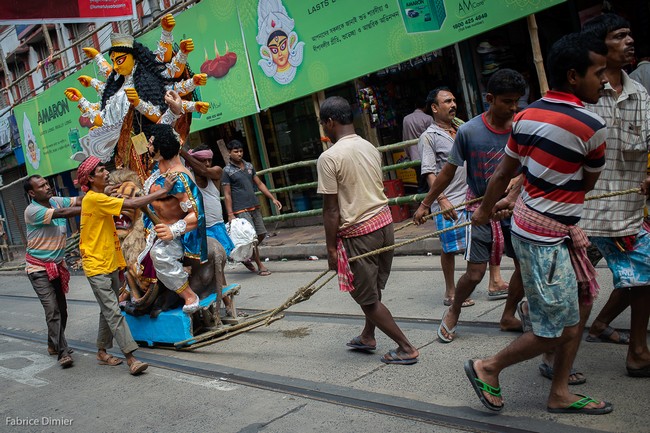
40, 421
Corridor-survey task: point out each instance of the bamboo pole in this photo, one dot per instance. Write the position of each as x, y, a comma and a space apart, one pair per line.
537, 54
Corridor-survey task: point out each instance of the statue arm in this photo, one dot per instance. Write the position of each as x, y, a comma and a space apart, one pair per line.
164, 50
176, 66
149, 110
104, 68
183, 87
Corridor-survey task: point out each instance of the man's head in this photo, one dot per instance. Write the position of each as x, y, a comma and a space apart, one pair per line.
203, 153
37, 188
86, 171
163, 141
615, 31
235, 151
504, 89
443, 104
335, 116
576, 64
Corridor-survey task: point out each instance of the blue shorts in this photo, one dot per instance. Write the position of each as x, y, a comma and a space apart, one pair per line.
453, 240
550, 286
629, 268
218, 232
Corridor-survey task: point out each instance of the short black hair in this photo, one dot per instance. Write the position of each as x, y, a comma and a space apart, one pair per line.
433, 95
165, 140
27, 183
234, 144
572, 52
506, 81
601, 25
337, 109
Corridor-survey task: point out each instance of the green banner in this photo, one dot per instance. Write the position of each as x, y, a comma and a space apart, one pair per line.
50, 127
220, 52
298, 47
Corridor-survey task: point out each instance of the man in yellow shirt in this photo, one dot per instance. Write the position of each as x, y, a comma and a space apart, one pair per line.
102, 257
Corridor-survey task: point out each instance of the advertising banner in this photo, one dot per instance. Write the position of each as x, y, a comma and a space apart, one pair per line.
219, 51
50, 127
39, 11
298, 47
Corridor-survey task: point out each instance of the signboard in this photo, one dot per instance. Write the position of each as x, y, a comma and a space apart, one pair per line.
39, 11
50, 126
219, 52
298, 47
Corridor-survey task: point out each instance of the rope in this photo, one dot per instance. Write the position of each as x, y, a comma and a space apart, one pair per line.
306, 291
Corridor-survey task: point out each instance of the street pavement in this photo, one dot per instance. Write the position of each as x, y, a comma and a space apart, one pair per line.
296, 375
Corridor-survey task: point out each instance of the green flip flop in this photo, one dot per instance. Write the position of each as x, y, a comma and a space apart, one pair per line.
480, 386
578, 407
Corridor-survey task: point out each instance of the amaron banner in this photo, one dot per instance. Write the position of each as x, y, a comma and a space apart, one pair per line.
297, 47
50, 127
219, 51
66, 11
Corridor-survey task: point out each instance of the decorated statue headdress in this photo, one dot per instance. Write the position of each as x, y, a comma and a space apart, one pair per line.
271, 17
122, 43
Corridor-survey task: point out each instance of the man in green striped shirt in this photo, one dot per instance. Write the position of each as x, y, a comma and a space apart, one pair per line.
46, 237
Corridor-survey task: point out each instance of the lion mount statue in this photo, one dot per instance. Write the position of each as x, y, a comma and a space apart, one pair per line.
148, 295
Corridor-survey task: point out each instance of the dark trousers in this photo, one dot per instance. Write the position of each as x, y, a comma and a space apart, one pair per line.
56, 309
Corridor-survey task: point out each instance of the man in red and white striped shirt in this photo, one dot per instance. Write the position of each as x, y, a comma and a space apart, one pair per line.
560, 147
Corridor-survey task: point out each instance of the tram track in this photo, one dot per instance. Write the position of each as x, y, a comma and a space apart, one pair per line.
416, 322
455, 418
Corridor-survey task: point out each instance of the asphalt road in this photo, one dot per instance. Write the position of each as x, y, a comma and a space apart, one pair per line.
297, 375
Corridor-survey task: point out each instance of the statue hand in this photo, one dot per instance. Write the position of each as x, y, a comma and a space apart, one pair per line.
98, 121
84, 80
168, 22
72, 94
187, 46
132, 96
90, 52
202, 107
200, 79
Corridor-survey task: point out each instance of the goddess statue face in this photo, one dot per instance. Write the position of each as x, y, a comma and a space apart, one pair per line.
279, 46
123, 63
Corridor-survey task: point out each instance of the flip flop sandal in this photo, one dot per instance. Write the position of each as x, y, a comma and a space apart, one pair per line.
639, 372
356, 344
526, 323
392, 357
137, 367
480, 386
66, 361
547, 371
578, 407
468, 302
606, 337
450, 332
109, 360
498, 294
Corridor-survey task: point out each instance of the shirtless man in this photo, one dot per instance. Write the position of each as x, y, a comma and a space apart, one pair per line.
180, 231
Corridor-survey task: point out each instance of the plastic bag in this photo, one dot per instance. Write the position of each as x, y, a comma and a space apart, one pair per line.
242, 233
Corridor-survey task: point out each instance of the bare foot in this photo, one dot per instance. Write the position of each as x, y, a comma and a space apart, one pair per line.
450, 320
510, 324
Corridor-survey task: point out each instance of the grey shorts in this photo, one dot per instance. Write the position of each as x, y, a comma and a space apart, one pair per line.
479, 242
255, 218
370, 273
